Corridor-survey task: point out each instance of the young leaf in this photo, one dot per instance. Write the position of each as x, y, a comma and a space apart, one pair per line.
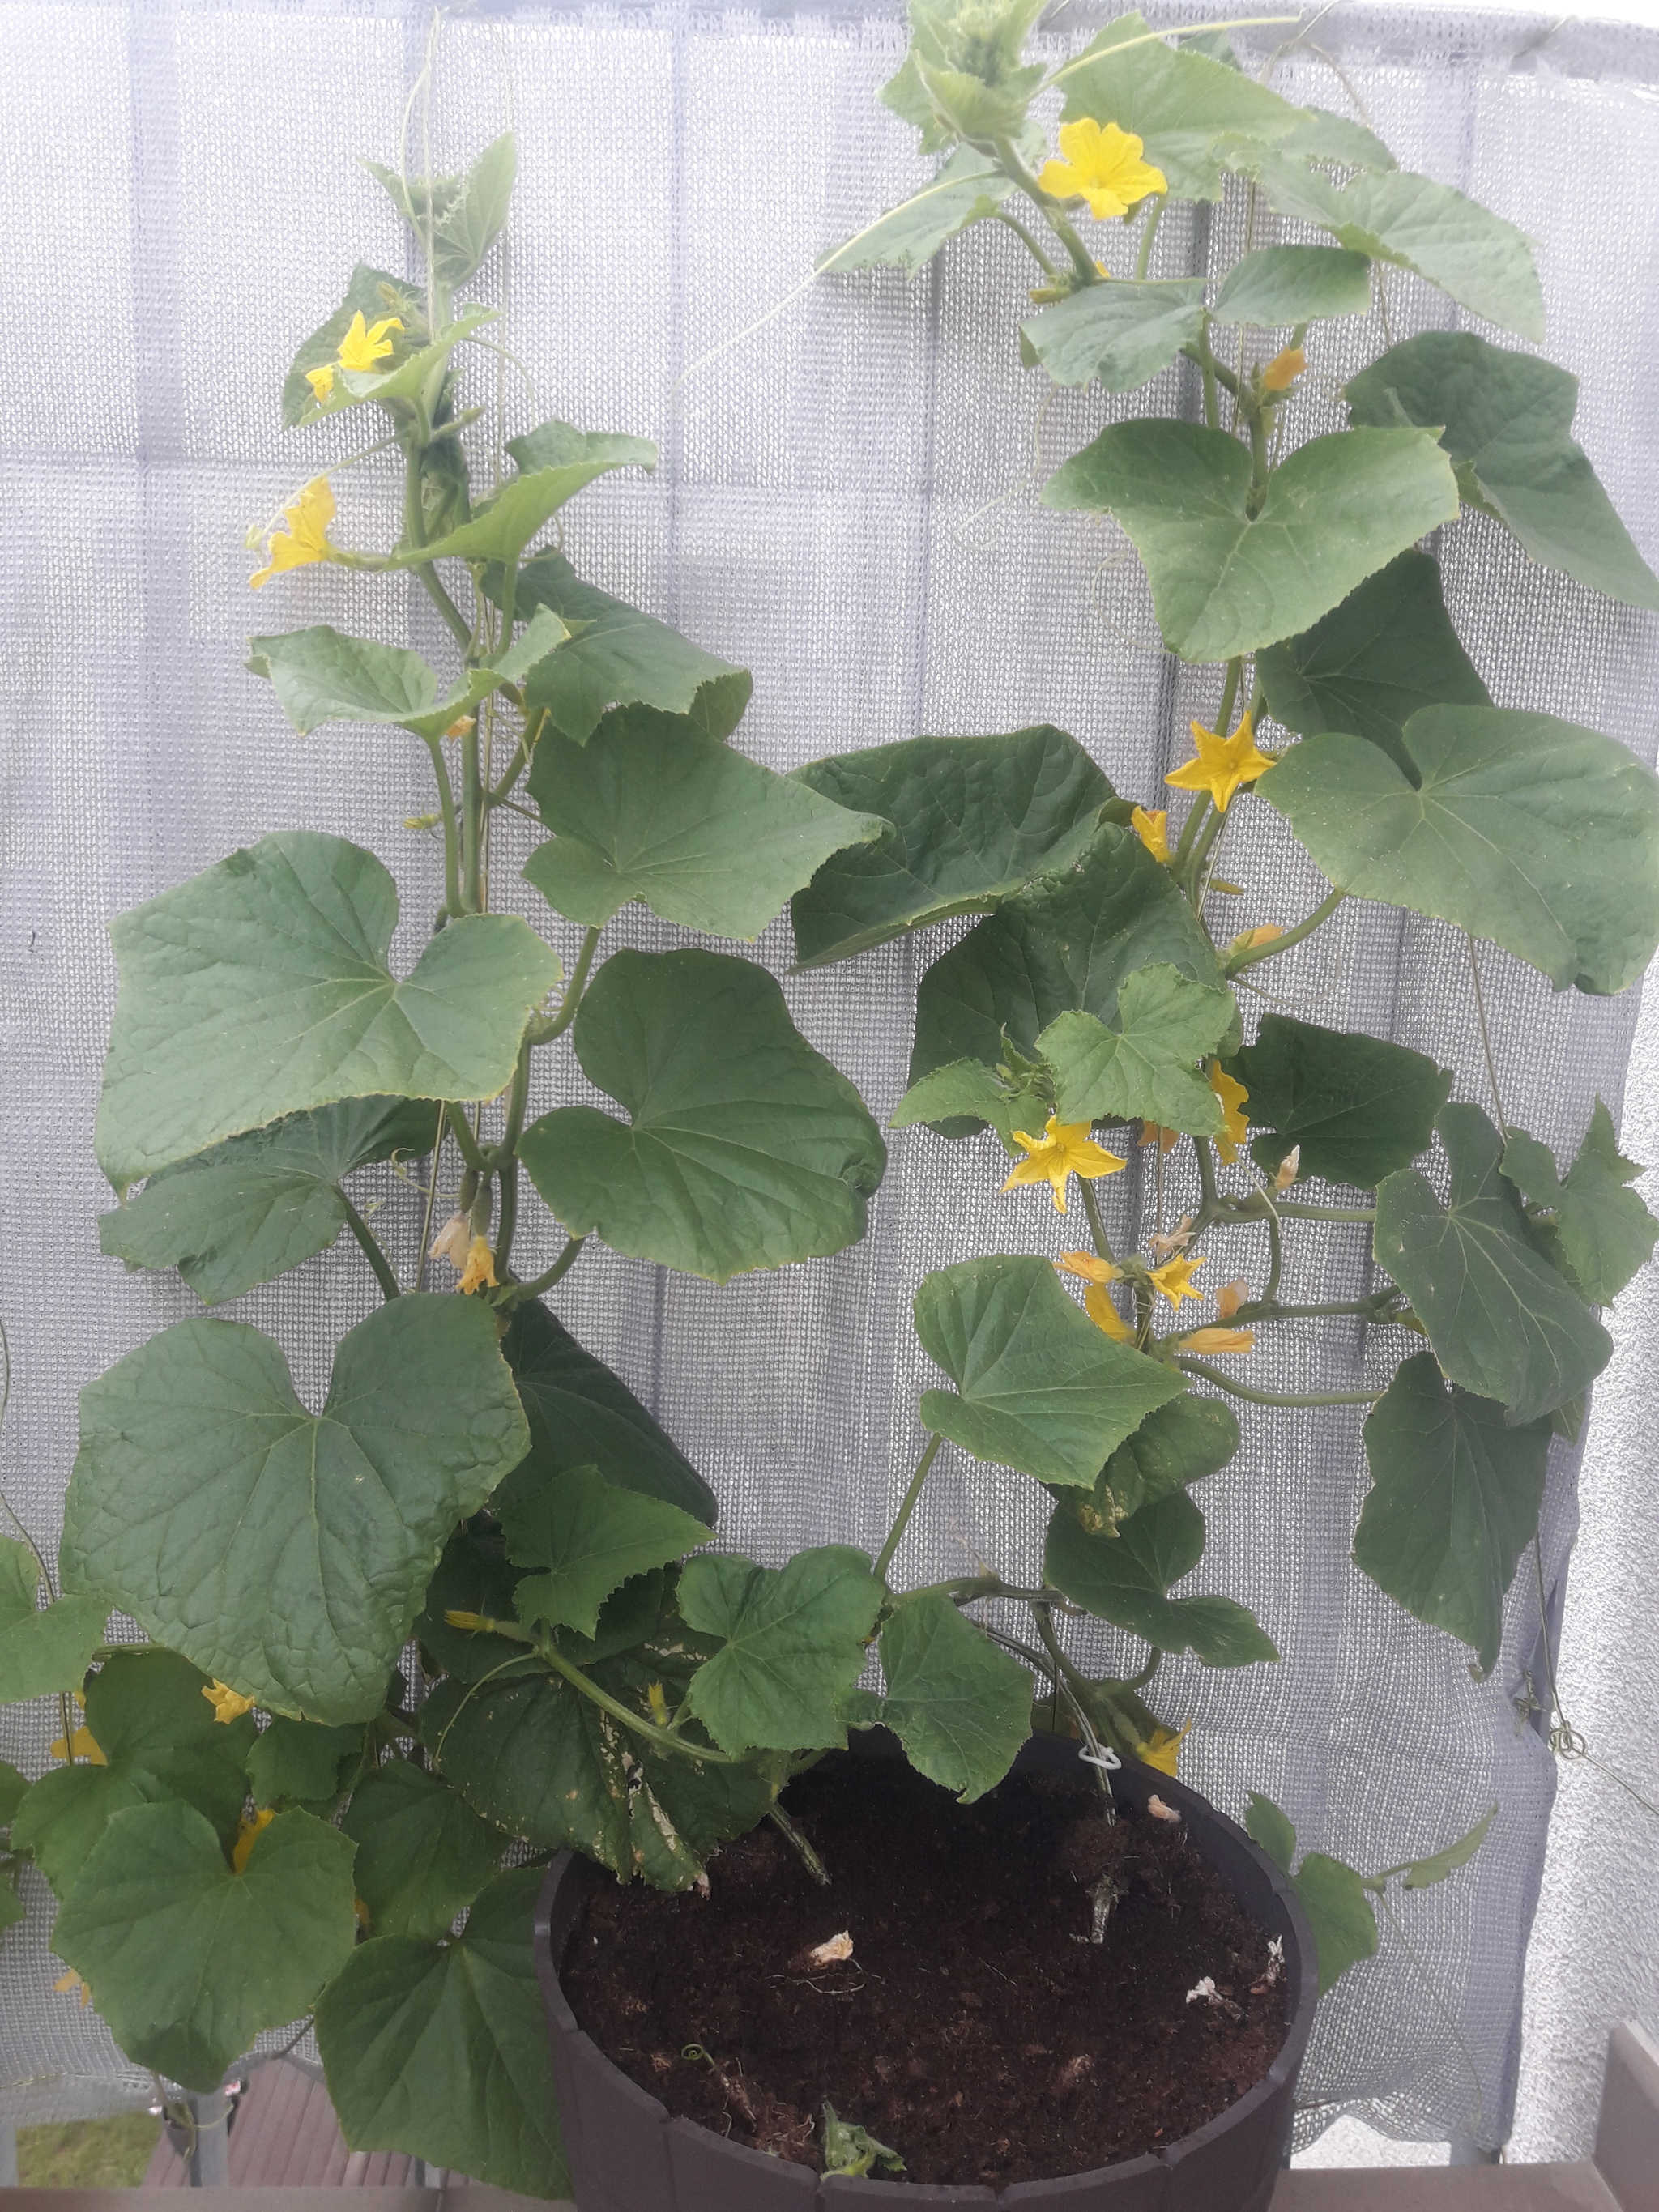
969, 187
1423, 1873
1358, 1108
1119, 334
1280, 286
261, 987
1368, 665
590, 1537
1175, 1444
1604, 1231
190, 1960
320, 675
441, 2048
1125, 1578
407, 373
502, 526
42, 1649
1336, 140
1506, 419
747, 1149
1266, 1825
1225, 580
1142, 1066
794, 1639
649, 809
421, 1853
373, 294
459, 217
973, 821
1519, 828
1039, 1387
616, 656
250, 1209
1502, 1321
961, 1707
1340, 1913
302, 1762
966, 1089
284, 1552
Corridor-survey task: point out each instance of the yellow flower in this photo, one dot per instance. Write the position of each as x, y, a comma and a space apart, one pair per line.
1236, 1126
1223, 764
79, 1746
1174, 1280
1091, 1269
1097, 1304
1230, 1296
227, 1704
321, 382
361, 348
1248, 940
247, 1835
70, 1985
1064, 1149
1103, 166
1220, 1340
1284, 368
657, 1699
1153, 1133
480, 1268
462, 727
1164, 1752
470, 1621
1151, 826
305, 538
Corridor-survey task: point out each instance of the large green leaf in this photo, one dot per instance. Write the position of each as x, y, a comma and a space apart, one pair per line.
1280, 286
1370, 664
42, 1648
440, 2050
282, 1551
1068, 941
422, 1854
1340, 1912
794, 1647
1143, 1065
374, 294
582, 1415
320, 675
1603, 1230
747, 1149
961, 1707
257, 1205
160, 1740
302, 1763
1454, 1496
262, 988
1175, 1444
973, 820
1186, 107
589, 1536
1502, 1321
556, 462
969, 187
650, 809
459, 217
1480, 260
616, 657
1039, 1387
1121, 334
1358, 1108
187, 1962
1125, 1578
1505, 418
1516, 827
1226, 580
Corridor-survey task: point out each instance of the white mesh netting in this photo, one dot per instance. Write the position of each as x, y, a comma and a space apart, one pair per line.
847, 504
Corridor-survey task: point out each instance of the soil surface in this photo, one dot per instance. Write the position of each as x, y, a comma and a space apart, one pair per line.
976, 2028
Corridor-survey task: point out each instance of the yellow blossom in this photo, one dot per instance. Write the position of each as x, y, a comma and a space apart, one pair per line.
321, 382
247, 1835
1284, 368
470, 1621
1248, 940
1220, 1340
1102, 166
656, 1698
1091, 1268
360, 348
1153, 1133
79, 1746
480, 1268
1288, 1170
71, 1985
1236, 1126
1222, 764
1097, 1304
227, 1704
451, 1240
1173, 1281
305, 538
1164, 1752
1230, 1296
1151, 826
1064, 1149
462, 727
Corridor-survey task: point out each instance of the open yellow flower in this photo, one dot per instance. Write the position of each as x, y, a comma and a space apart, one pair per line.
247, 1835
1151, 826
1264, 933
305, 538
1065, 1149
1097, 1304
1222, 764
1173, 1281
227, 1704
362, 346
480, 1268
1164, 1752
1102, 166
79, 1746
1090, 1267
321, 382
71, 1985
1220, 1340
1236, 1127
1284, 368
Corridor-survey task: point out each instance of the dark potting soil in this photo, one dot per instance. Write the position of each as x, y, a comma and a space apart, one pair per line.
975, 2028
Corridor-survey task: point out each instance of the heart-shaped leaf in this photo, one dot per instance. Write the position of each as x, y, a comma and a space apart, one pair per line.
422, 1855
1340, 1912
960, 1707
1358, 1108
1520, 828
747, 1149
1226, 580
43, 1648
1125, 1578
285, 1552
261, 988
1121, 334
590, 1537
1603, 1232
1143, 1065
970, 186
1280, 286
793, 1644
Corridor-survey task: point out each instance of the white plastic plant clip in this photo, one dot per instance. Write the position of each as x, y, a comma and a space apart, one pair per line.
1106, 1758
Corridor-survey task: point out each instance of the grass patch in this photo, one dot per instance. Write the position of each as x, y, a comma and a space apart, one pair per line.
88, 2153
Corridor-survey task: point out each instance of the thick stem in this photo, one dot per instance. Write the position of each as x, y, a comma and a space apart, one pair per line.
1154, 217
555, 1026
371, 1244
561, 1267
507, 1153
473, 822
797, 1844
1274, 1397
1051, 210
461, 1129
1207, 363
907, 1507
1195, 813
1096, 1226
663, 1738
1321, 914
1194, 870
1050, 270
447, 816
1291, 1209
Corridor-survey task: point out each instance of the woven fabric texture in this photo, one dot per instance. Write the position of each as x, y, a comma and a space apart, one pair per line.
847, 504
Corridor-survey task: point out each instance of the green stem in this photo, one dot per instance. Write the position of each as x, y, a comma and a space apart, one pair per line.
1321, 914
521, 759
1199, 807
371, 1243
1083, 1694
1194, 870
907, 1507
473, 818
414, 532
555, 1026
1207, 364
1274, 1397
797, 1844
1223, 374
461, 1129
1209, 1202
447, 815
1051, 210
1096, 1226
1229, 694
1275, 1251
1155, 216
1013, 222
561, 1267
663, 1738
1293, 1210
507, 1156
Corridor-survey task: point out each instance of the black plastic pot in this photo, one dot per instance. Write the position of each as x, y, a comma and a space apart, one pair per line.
627, 2155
